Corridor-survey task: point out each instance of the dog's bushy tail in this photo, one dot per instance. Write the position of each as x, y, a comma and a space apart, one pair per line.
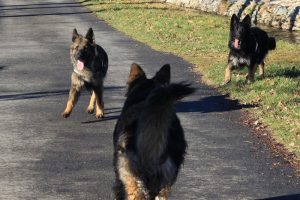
271, 43
155, 120
102, 60
168, 94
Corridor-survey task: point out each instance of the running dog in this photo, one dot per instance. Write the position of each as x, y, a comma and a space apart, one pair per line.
90, 64
248, 47
149, 142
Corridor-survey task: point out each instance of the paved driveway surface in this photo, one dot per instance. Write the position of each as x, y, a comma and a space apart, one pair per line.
43, 156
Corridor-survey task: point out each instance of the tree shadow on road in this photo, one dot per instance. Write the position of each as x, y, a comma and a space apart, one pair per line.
2, 67
101, 120
37, 4
287, 197
45, 14
33, 95
41, 94
217, 103
41, 6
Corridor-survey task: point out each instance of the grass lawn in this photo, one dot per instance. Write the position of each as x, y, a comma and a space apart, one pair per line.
202, 40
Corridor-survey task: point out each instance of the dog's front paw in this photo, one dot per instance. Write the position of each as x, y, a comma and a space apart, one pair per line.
99, 115
225, 82
90, 110
249, 81
261, 76
65, 114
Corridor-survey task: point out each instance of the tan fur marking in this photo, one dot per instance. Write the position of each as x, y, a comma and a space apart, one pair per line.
91, 107
68, 109
73, 98
99, 102
261, 68
227, 74
135, 71
132, 187
163, 194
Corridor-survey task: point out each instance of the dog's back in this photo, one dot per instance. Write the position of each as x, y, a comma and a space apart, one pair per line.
150, 138
264, 43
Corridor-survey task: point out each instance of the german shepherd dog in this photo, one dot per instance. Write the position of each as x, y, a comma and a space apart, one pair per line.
90, 64
149, 143
248, 47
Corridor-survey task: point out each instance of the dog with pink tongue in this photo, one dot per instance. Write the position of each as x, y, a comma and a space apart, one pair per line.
90, 64
248, 46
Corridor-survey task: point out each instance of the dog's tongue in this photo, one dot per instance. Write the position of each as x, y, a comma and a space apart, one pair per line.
80, 65
236, 43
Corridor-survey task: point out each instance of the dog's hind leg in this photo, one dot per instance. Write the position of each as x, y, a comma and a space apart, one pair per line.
228, 74
99, 102
133, 186
118, 190
261, 69
163, 194
73, 98
133, 190
90, 108
251, 73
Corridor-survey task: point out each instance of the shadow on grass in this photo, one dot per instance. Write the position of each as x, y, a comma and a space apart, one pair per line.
218, 103
286, 72
88, 2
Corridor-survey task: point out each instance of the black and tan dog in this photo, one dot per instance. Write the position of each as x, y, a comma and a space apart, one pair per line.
248, 47
149, 143
90, 64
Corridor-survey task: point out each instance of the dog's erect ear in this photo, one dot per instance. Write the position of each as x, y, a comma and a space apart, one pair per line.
247, 20
234, 20
164, 74
135, 72
75, 35
90, 35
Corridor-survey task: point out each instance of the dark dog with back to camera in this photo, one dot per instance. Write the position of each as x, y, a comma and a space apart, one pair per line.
248, 47
90, 64
149, 143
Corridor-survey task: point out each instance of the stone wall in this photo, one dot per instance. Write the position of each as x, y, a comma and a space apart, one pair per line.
283, 14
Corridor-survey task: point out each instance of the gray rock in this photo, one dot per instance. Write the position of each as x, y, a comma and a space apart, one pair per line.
278, 13
281, 10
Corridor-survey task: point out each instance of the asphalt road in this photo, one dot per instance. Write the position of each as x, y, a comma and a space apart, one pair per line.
43, 156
